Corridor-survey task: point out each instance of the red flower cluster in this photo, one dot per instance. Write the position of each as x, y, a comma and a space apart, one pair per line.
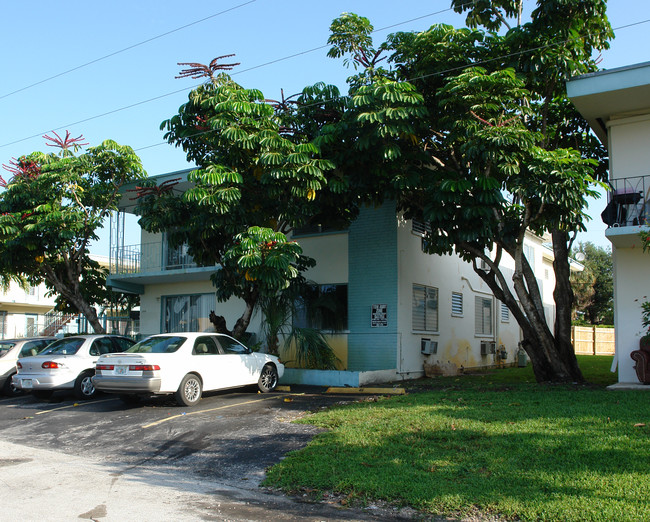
65, 143
21, 168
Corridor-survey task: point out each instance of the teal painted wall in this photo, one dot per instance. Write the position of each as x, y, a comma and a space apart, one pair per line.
372, 260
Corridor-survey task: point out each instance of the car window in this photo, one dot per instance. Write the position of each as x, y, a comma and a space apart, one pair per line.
123, 343
101, 346
205, 346
32, 348
229, 345
164, 344
67, 346
5, 347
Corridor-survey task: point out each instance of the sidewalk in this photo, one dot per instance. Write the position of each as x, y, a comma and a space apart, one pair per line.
38, 484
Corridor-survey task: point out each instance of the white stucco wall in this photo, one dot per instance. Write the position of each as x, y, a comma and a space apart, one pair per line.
628, 146
457, 341
631, 286
331, 254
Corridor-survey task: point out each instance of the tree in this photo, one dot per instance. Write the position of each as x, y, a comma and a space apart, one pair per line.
472, 132
594, 286
51, 209
257, 178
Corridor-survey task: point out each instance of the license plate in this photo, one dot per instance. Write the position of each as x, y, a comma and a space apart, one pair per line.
26, 383
121, 370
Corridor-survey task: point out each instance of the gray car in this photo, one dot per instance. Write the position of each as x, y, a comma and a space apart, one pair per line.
67, 364
10, 351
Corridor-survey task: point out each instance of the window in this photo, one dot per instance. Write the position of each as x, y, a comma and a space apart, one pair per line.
187, 313
529, 252
505, 313
425, 308
420, 228
324, 307
177, 257
102, 346
205, 346
229, 345
456, 303
483, 318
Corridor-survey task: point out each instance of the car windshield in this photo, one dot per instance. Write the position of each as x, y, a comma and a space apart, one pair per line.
5, 347
68, 346
165, 344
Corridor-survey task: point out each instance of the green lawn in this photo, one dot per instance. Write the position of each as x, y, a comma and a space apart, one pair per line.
496, 443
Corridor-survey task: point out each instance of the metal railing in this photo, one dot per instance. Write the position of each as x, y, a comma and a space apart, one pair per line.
629, 202
149, 257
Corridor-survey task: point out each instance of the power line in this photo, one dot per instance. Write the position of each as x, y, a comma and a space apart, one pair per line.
148, 100
439, 73
125, 49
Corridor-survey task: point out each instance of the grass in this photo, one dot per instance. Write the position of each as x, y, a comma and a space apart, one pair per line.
494, 444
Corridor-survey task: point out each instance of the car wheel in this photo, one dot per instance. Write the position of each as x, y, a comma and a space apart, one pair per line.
268, 378
42, 394
189, 392
10, 389
84, 388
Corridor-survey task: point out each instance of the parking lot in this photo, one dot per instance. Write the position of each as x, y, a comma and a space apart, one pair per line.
63, 460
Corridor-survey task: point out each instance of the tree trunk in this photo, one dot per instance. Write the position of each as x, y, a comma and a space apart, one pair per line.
550, 350
243, 322
563, 296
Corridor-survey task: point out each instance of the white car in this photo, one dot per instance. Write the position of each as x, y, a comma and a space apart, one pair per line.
185, 364
67, 364
10, 351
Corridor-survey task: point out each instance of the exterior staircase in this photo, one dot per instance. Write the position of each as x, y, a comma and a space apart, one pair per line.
55, 322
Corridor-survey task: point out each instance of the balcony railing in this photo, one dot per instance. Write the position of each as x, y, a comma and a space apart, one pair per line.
149, 257
629, 202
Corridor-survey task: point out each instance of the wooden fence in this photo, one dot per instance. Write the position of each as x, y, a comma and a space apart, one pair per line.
589, 340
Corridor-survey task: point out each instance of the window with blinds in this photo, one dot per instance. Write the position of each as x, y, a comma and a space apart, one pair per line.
483, 316
505, 313
425, 308
456, 303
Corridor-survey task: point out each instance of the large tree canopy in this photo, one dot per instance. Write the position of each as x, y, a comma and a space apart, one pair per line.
471, 132
257, 178
51, 209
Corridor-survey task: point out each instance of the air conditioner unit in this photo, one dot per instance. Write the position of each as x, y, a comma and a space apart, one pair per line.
428, 347
488, 347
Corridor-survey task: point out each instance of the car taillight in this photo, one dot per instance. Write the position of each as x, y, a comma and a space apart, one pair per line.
143, 367
104, 367
50, 364
18, 365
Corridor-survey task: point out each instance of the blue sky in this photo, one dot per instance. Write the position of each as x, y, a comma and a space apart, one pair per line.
41, 39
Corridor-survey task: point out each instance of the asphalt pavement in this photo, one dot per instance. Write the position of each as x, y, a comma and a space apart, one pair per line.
106, 461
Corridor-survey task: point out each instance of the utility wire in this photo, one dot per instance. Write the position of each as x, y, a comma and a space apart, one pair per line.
439, 73
142, 102
424, 76
125, 49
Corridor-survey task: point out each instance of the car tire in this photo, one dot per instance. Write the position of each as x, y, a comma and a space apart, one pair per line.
9, 389
268, 378
84, 388
43, 394
189, 392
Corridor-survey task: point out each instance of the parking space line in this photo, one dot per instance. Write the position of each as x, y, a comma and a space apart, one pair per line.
71, 406
156, 423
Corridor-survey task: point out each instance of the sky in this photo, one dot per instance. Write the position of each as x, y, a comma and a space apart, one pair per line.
106, 70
